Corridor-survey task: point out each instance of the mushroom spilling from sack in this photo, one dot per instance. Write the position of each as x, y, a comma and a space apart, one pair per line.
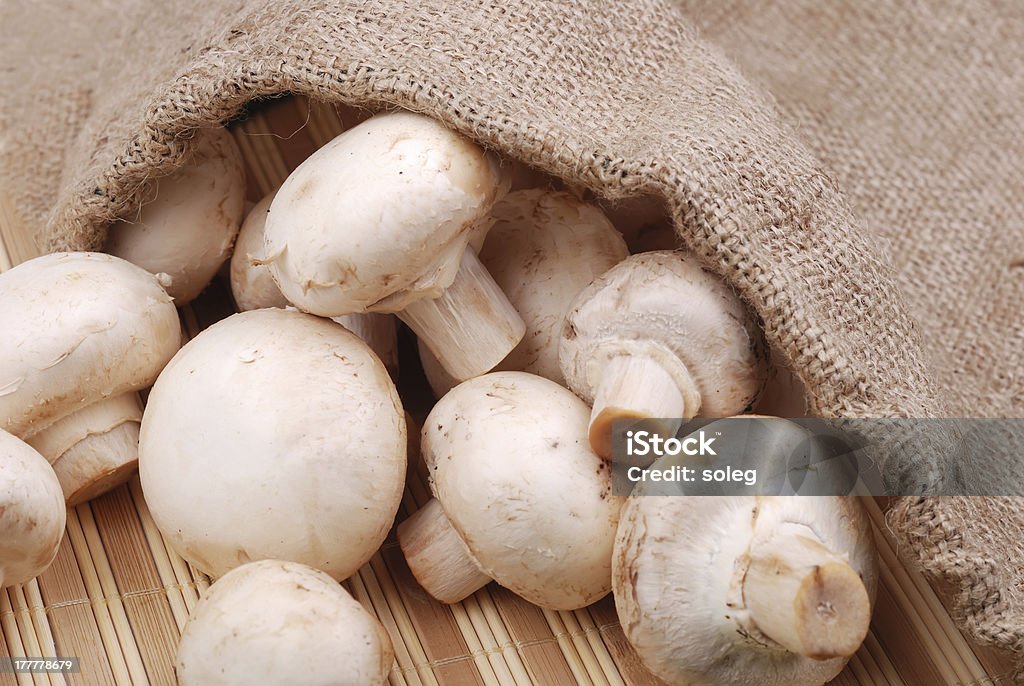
185, 231
519, 496
289, 416
657, 337
264, 622
102, 329
775, 591
32, 513
380, 219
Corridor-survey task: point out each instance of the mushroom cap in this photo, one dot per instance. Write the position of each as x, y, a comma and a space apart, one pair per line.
509, 462
274, 434
279, 623
32, 512
252, 284
678, 587
380, 216
663, 305
187, 229
78, 328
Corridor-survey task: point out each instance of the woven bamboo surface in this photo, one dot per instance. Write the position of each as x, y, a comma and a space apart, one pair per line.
117, 596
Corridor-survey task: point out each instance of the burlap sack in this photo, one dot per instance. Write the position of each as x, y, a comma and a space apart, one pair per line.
908, 304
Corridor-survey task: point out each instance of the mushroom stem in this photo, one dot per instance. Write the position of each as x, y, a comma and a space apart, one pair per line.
98, 463
472, 326
94, 449
805, 597
637, 387
437, 555
377, 330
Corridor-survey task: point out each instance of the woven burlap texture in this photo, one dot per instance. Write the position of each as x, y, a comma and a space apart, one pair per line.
628, 97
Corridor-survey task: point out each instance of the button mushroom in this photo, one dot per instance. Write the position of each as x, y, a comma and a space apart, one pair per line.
378, 220
744, 589
274, 434
187, 229
82, 333
280, 623
543, 249
658, 337
518, 496
32, 512
254, 287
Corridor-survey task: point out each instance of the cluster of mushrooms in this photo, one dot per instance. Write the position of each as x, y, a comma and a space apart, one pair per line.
272, 449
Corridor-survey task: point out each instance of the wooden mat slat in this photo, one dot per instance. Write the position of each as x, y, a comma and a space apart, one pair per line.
13, 639
137, 580
181, 593
126, 638
75, 540
73, 621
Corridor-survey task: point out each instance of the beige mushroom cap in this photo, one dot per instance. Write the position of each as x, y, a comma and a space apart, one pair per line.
32, 513
662, 307
380, 216
681, 570
186, 231
252, 284
278, 623
509, 462
78, 328
274, 434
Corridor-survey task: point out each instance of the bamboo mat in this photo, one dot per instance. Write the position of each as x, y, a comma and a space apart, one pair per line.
117, 596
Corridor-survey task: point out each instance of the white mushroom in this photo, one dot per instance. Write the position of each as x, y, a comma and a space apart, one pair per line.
187, 229
378, 220
254, 288
274, 434
278, 623
658, 337
32, 513
518, 496
82, 333
744, 590
543, 249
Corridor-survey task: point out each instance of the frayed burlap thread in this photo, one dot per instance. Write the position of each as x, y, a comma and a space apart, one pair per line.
620, 97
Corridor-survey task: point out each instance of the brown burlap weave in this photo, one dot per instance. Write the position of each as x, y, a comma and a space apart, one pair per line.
850, 168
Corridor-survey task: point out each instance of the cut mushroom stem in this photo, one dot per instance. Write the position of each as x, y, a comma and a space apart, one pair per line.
472, 326
636, 387
438, 557
805, 597
94, 449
